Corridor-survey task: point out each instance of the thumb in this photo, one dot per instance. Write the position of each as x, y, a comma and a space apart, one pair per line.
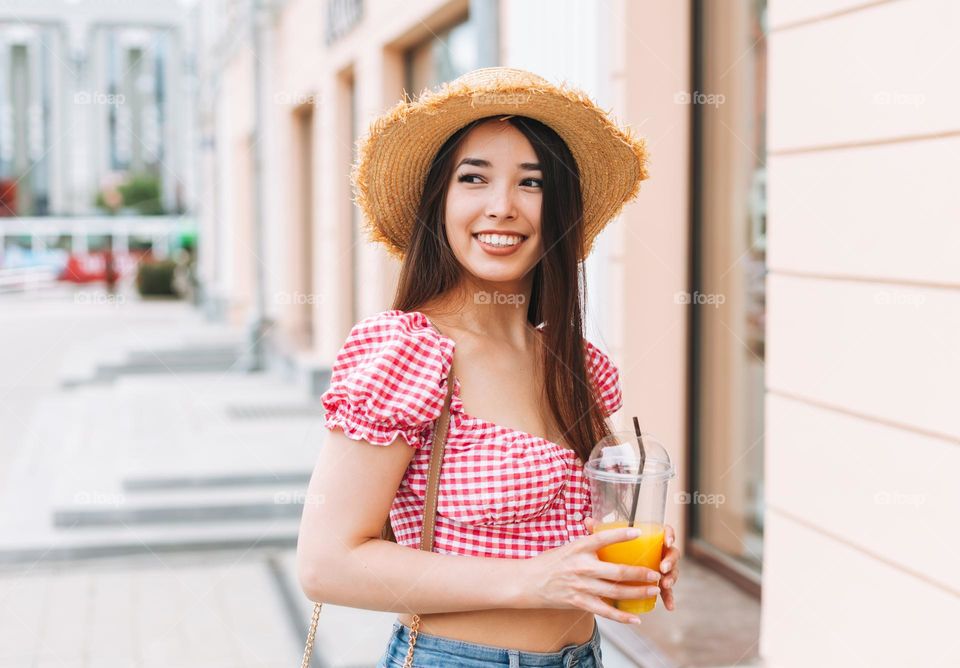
588, 523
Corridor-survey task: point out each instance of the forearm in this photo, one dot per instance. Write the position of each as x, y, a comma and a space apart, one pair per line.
380, 575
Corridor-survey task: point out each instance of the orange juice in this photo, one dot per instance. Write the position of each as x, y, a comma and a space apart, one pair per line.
645, 550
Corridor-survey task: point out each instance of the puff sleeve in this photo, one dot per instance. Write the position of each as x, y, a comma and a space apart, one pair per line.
389, 379
606, 378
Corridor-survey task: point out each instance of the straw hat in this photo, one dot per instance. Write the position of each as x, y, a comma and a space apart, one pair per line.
395, 154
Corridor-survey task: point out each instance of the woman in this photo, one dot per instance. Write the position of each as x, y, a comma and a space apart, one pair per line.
491, 190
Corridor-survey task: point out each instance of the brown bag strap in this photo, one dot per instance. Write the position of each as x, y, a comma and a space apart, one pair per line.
436, 461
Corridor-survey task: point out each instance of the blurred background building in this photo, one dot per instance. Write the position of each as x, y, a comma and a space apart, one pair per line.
97, 139
777, 322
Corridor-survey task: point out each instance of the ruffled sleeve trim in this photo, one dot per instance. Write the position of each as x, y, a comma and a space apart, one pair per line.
359, 428
389, 379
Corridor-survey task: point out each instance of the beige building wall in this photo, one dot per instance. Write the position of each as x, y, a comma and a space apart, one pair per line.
234, 135
649, 255
863, 335
365, 66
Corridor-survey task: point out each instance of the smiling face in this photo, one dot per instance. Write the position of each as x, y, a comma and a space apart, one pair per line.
494, 203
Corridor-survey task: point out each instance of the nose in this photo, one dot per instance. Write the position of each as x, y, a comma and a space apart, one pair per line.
501, 206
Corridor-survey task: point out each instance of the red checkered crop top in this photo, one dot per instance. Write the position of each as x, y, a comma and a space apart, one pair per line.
503, 493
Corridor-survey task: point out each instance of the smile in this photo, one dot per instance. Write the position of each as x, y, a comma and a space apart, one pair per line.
500, 240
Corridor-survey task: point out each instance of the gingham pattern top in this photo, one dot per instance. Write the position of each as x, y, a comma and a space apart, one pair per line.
503, 493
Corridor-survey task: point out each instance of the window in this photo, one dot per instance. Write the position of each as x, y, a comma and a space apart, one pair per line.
443, 57
727, 429
26, 70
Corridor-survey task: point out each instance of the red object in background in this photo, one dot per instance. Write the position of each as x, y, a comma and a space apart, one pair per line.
110, 274
91, 267
8, 197
85, 268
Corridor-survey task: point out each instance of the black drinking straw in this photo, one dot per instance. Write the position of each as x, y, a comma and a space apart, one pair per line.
643, 459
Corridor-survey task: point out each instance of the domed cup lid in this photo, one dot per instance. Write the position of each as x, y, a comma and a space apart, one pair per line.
618, 458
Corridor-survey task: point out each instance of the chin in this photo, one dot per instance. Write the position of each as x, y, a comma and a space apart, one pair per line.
487, 270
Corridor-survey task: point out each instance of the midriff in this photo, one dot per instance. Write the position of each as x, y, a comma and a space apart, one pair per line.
545, 630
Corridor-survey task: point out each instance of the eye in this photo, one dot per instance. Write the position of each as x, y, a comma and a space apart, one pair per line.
536, 183
465, 178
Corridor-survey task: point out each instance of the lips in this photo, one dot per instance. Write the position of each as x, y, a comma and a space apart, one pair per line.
498, 250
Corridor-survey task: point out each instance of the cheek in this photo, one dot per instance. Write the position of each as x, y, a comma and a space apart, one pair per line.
456, 224
533, 211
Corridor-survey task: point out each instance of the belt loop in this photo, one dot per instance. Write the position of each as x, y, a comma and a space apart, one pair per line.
514, 656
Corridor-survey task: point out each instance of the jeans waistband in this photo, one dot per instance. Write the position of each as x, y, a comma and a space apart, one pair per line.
570, 655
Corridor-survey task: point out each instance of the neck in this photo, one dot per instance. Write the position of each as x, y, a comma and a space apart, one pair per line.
491, 309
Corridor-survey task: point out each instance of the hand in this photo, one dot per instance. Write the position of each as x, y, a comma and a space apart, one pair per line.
668, 563
571, 576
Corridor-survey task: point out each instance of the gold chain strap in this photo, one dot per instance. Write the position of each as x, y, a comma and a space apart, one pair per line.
414, 630
311, 635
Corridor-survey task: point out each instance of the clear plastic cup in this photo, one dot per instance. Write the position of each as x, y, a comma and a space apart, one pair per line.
621, 492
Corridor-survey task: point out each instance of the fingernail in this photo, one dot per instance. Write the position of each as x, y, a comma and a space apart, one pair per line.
636, 620
665, 566
634, 533
653, 577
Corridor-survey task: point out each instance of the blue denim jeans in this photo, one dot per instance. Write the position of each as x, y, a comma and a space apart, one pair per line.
438, 652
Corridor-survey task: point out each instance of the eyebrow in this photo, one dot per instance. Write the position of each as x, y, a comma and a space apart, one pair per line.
478, 162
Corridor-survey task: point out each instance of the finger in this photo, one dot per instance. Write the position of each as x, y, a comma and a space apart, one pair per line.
670, 559
588, 523
608, 537
599, 606
670, 580
667, 596
623, 572
622, 592
668, 535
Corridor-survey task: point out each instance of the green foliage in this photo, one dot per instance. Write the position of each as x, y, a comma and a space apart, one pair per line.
156, 278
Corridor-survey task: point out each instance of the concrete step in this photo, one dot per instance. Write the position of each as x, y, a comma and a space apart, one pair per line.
180, 506
148, 483
193, 354
108, 373
53, 544
139, 358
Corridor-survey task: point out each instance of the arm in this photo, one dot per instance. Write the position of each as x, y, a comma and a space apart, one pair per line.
341, 559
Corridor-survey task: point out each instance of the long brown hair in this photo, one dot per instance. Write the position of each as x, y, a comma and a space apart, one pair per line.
558, 295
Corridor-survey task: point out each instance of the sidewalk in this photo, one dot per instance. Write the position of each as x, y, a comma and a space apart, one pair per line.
175, 610
148, 492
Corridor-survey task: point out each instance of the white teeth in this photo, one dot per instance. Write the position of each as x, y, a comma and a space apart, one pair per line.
499, 239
